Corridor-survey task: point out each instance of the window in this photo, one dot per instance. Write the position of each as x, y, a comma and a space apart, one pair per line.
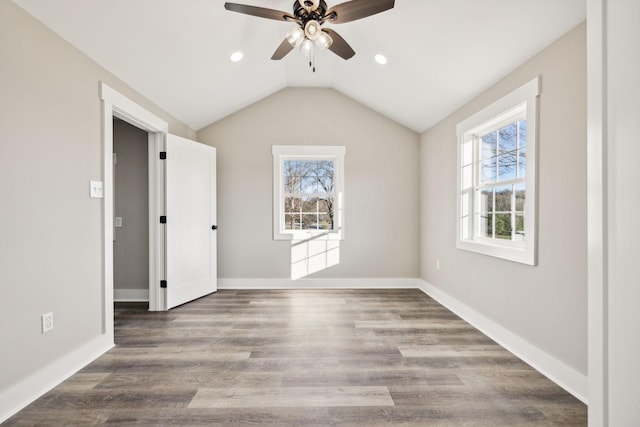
308, 191
496, 165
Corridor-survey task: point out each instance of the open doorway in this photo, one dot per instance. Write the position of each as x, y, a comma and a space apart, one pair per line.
131, 213
116, 105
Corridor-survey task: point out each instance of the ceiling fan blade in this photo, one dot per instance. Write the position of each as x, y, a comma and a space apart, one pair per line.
357, 9
339, 46
282, 50
260, 12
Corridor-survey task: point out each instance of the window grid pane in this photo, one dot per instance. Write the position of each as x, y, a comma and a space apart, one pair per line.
501, 157
308, 194
522, 148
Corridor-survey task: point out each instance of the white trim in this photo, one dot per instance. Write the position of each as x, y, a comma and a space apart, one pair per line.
108, 209
132, 113
597, 213
117, 105
398, 283
529, 90
498, 111
156, 296
557, 371
131, 295
19, 395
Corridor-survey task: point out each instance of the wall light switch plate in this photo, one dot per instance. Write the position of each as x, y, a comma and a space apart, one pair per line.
118, 222
95, 189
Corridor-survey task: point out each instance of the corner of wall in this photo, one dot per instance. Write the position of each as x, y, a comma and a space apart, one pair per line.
16, 397
560, 373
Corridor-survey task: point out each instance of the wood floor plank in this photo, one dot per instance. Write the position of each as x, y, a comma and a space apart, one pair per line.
452, 350
191, 379
287, 397
412, 324
339, 357
83, 381
370, 377
180, 353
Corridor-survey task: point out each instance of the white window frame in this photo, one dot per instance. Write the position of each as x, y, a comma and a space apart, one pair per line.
309, 152
522, 102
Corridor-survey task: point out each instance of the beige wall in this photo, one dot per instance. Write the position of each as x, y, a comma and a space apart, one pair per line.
381, 185
131, 200
545, 305
51, 249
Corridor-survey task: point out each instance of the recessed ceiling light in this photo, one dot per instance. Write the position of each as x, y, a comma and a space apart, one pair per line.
380, 59
236, 56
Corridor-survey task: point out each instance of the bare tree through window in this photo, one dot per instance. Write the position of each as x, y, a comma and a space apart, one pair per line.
309, 194
503, 167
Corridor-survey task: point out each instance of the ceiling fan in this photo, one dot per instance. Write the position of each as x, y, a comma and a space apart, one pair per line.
309, 16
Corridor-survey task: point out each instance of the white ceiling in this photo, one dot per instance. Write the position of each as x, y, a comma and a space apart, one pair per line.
441, 53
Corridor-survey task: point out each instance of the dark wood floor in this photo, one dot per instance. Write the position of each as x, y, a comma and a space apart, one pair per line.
304, 358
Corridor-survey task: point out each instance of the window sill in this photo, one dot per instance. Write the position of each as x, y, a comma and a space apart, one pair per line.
309, 235
516, 253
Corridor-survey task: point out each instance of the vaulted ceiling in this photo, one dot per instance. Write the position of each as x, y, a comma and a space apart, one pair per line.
441, 53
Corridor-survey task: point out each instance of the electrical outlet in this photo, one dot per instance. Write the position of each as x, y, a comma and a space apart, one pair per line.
47, 322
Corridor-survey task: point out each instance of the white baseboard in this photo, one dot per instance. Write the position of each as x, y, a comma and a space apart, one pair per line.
401, 283
16, 397
560, 373
130, 295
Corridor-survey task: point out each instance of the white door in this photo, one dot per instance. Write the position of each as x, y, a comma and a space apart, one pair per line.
191, 220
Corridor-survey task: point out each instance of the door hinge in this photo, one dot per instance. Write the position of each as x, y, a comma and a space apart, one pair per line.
163, 219
163, 155
163, 284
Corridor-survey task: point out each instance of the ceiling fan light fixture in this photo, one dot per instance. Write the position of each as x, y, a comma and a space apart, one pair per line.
324, 41
312, 29
306, 47
295, 36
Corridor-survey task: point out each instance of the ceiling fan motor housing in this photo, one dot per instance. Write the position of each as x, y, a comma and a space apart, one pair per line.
307, 13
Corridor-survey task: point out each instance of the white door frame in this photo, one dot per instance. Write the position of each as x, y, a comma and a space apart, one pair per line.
117, 105
597, 214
